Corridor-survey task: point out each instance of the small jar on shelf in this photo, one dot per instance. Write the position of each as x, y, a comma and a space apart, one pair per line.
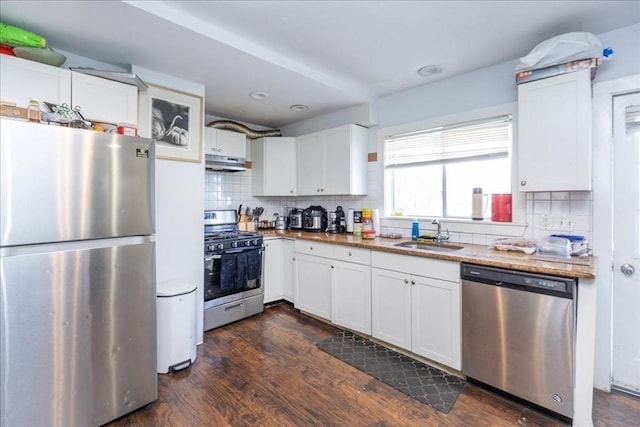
33, 111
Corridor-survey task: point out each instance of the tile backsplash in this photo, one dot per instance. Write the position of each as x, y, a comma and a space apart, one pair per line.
226, 190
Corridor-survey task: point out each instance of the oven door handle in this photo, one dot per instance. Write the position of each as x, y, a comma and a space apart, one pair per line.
235, 251
211, 257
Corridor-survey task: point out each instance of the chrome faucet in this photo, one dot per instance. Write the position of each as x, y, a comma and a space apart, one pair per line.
440, 236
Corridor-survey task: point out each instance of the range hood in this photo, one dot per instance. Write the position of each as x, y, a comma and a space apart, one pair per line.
224, 163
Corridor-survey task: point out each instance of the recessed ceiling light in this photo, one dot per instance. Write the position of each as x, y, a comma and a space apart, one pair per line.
429, 70
299, 107
259, 95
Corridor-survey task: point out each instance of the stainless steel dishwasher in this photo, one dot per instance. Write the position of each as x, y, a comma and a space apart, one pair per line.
518, 334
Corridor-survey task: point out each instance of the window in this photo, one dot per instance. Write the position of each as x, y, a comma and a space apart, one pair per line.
432, 172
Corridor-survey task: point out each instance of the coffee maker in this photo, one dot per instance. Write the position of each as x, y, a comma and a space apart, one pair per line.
314, 218
337, 222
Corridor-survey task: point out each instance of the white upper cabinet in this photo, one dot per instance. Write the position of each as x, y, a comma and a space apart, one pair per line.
99, 99
554, 133
104, 100
21, 80
222, 142
310, 164
333, 162
273, 167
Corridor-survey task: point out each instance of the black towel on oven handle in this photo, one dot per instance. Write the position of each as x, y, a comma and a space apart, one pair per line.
254, 264
241, 270
227, 272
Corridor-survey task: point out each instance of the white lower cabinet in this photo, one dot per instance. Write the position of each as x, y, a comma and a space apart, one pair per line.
287, 270
410, 302
277, 276
435, 320
391, 307
272, 275
351, 288
415, 312
312, 278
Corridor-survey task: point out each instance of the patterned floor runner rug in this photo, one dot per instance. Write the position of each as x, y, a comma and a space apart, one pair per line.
422, 382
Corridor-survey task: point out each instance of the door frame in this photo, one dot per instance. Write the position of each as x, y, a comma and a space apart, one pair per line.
603, 94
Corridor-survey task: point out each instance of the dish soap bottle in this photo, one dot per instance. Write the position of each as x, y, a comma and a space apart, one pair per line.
415, 229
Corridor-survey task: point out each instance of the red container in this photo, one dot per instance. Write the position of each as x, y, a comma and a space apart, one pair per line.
501, 207
6, 50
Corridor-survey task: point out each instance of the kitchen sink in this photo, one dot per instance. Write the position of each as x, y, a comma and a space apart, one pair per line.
429, 246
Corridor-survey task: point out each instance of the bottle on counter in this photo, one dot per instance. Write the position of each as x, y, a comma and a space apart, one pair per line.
415, 229
33, 111
367, 224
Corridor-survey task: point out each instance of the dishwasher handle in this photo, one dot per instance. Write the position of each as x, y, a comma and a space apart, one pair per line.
520, 280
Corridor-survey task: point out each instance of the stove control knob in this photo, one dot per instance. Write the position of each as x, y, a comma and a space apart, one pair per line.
209, 247
220, 246
234, 244
247, 242
254, 242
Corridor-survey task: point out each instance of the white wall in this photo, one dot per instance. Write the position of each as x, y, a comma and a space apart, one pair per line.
179, 209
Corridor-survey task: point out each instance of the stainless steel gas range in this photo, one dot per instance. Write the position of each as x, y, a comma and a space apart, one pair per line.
233, 263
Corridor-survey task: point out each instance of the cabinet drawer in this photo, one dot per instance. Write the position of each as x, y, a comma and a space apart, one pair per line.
427, 267
314, 248
351, 254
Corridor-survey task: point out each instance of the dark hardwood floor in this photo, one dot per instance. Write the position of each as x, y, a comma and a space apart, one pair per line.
267, 371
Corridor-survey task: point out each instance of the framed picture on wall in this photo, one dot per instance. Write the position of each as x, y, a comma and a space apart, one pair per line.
174, 119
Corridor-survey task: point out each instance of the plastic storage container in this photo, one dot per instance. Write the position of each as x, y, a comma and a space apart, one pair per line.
176, 322
554, 246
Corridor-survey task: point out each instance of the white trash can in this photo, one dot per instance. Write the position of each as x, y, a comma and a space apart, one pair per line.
176, 320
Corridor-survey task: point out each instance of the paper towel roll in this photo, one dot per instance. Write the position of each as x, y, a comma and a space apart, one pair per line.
350, 220
376, 221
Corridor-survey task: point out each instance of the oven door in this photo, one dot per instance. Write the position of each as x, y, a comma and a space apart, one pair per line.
232, 275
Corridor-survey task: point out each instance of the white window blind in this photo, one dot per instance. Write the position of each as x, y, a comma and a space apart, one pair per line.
486, 138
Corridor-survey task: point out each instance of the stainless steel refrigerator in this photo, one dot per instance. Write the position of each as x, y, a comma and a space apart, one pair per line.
77, 275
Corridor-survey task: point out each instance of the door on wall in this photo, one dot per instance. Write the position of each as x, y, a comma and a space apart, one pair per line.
626, 243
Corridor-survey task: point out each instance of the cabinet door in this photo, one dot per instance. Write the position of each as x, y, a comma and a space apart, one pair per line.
231, 144
210, 141
311, 164
273, 270
287, 270
337, 150
554, 133
104, 100
435, 311
391, 307
21, 80
273, 171
351, 296
313, 285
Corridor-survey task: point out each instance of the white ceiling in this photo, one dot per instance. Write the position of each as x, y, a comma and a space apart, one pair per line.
325, 54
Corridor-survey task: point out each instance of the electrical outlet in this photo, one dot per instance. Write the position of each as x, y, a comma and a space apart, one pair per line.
567, 223
544, 222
